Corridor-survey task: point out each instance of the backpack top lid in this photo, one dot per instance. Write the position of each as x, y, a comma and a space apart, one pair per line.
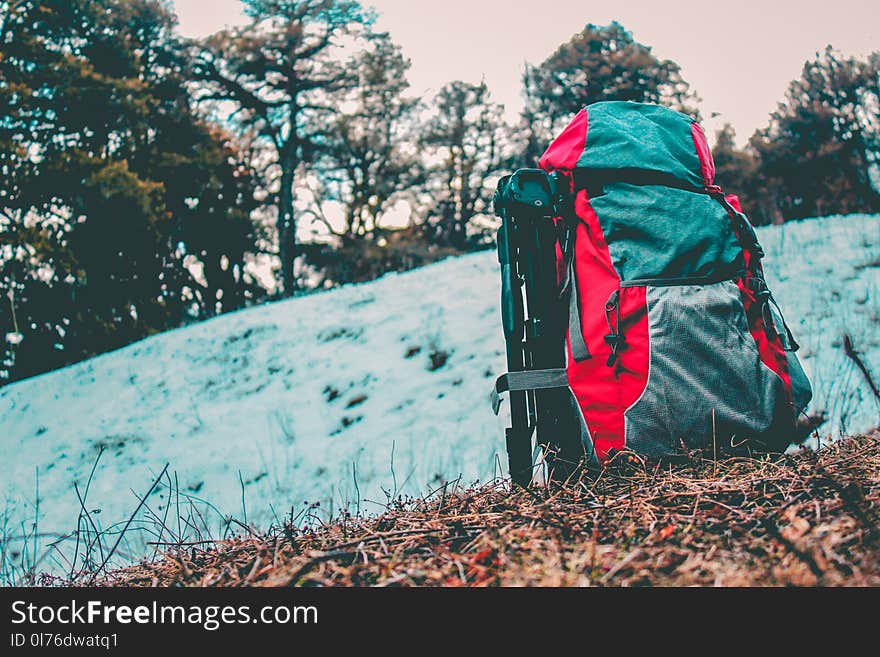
629, 135
655, 226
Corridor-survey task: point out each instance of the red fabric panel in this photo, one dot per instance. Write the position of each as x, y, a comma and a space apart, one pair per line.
565, 150
733, 199
707, 164
772, 354
605, 392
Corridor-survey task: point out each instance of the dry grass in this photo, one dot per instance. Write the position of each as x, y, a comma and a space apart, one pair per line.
808, 519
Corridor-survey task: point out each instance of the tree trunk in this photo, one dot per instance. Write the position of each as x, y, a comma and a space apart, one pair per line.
286, 225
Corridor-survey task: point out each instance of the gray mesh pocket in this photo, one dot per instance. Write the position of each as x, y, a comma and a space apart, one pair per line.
705, 380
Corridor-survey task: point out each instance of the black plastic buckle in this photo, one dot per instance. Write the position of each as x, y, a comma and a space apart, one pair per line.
615, 341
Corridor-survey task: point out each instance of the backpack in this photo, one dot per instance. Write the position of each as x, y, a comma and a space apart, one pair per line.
672, 340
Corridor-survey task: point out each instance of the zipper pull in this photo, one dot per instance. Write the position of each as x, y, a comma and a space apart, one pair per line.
615, 338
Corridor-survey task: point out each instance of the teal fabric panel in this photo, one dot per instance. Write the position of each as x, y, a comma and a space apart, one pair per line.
624, 135
661, 232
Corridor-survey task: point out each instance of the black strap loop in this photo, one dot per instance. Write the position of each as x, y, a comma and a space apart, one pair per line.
527, 380
595, 180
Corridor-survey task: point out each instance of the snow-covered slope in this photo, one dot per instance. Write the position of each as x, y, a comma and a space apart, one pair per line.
351, 394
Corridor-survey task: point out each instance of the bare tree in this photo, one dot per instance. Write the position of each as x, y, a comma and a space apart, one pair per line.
371, 160
279, 74
470, 142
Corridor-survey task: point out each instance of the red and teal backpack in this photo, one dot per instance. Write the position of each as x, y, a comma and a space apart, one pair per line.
674, 341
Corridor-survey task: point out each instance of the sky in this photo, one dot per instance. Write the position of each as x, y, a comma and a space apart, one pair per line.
739, 56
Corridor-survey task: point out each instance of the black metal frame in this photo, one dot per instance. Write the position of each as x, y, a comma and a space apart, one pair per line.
527, 201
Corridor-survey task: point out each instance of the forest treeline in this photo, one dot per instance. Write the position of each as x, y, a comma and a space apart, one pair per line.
150, 180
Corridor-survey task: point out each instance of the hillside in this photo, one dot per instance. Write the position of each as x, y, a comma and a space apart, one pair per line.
348, 398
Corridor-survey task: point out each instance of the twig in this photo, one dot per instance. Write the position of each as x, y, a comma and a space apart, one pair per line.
850, 351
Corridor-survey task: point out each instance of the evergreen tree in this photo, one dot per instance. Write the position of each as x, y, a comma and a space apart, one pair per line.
598, 63
824, 138
103, 164
736, 171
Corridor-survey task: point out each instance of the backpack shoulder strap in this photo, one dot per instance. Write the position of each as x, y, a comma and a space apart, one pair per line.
566, 190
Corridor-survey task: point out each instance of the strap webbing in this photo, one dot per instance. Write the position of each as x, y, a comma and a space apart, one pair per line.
747, 235
569, 286
527, 380
579, 349
594, 180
